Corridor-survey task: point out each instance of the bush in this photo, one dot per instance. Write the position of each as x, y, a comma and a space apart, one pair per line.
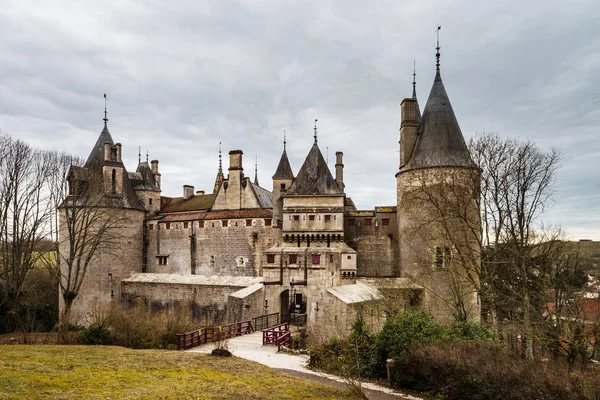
470, 331
484, 370
403, 331
95, 334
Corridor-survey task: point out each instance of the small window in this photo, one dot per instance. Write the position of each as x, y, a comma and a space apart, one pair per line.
296, 218
167, 225
268, 222
162, 260
311, 217
270, 258
331, 258
185, 225
439, 257
385, 221
114, 181
200, 224
316, 259
349, 257
150, 201
282, 186
350, 222
368, 221
327, 218
224, 223
293, 259
151, 227
248, 222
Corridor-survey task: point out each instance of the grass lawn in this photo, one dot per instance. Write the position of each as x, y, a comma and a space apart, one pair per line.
102, 372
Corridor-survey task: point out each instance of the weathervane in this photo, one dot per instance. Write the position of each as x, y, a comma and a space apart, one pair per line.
284, 142
316, 130
105, 118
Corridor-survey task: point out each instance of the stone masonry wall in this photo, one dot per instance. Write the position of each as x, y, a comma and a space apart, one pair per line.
223, 247
374, 237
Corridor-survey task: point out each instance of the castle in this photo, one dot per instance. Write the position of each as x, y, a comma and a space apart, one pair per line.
299, 248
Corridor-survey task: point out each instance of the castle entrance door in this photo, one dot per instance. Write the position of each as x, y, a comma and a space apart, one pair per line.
284, 306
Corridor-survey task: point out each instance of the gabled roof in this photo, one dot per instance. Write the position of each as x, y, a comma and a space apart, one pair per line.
284, 170
199, 202
439, 140
263, 196
314, 176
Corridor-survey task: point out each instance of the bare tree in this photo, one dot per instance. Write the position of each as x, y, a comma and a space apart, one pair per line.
517, 186
24, 213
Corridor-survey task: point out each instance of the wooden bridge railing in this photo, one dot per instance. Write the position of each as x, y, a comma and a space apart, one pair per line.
210, 334
278, 335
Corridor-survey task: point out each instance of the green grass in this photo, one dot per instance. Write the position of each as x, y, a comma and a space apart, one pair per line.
99, 372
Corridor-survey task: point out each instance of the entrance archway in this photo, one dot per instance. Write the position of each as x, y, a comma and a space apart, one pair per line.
284, 306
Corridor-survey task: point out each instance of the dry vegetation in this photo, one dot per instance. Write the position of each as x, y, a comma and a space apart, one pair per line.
98, 372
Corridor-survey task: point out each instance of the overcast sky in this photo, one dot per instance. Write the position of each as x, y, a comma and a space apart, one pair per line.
181, 76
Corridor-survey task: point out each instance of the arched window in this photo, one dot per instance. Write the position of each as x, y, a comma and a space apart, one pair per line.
114, 181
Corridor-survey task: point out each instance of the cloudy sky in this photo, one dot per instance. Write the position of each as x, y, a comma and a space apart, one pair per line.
183, 75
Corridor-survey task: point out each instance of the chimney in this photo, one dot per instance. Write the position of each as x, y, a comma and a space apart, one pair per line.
408, 129
118, 146
154, 168
199, 192
188, 191
235, 160
107, 151
339, 169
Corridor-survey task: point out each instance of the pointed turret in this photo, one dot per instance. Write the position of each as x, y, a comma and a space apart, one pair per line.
256, 171
414, 93
440, 141
220, 177
282, 180
314, 176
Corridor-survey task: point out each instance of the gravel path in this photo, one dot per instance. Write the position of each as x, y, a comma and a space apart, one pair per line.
250, 347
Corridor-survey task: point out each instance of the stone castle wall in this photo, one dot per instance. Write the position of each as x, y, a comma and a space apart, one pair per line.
207, 247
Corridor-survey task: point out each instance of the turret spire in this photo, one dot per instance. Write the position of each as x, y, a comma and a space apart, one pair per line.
139, 154
284, 142
105, 119
256, 170
437, 54
316, 130
146, 155
220, 160
414, 79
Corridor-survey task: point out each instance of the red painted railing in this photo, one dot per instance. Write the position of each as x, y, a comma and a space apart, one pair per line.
206, 335
278, 335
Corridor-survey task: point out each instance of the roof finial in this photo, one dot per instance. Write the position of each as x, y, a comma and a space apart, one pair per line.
220, 162
146, 156
105, 118
139, 154
256, 170
316, 130
414, 79
437, 54
284, 142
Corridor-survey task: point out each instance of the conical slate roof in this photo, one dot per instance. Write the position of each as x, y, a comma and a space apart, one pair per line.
439, 141
284, 170
414, 96
314, 176
97, 154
